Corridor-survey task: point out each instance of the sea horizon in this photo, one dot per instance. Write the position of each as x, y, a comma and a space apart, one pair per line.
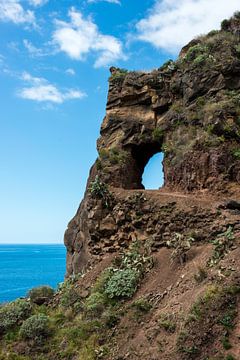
24, 266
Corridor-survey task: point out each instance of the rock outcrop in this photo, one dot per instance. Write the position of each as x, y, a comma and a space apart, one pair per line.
189, 110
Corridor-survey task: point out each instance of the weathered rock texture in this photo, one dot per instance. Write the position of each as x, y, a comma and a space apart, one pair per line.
190, 111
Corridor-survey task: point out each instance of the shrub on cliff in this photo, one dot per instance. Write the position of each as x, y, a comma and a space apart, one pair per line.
35, 328
13, 314
41, 294
125, 277
122, 283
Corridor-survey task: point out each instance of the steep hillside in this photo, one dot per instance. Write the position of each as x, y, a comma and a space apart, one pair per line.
152, 274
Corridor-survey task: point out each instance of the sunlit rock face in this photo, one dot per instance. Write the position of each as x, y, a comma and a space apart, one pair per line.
190, 111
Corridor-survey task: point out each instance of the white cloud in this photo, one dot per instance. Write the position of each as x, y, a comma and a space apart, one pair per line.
34, 51
109, 1
81, 36
37, 2
40, 90
12, 10
70, 72
171, 24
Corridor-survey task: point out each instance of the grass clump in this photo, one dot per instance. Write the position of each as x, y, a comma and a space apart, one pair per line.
35, 328
41, 294
13, 314
167, 322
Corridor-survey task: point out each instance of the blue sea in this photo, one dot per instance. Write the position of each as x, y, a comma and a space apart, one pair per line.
23, 267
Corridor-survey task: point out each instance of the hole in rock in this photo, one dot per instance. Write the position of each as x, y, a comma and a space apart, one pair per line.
153, 176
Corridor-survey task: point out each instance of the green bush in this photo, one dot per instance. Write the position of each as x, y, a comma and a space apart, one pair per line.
35, 328
41, 294
13, 314
195, 51
122, 284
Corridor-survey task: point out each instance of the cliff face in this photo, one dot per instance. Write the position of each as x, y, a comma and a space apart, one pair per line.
189, 110
152, 274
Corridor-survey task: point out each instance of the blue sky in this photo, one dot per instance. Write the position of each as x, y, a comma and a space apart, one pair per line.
54, 61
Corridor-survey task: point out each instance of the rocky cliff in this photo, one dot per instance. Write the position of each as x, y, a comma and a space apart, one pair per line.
189, 110
152, 274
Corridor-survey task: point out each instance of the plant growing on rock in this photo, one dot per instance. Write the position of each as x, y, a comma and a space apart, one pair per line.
157, 134
99, 190
118, 74
181, 245
223, 244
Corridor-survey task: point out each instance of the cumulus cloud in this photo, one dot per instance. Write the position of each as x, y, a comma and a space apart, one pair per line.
171, 24
12, 10
41, 90
109, 1
81, 36
37, 2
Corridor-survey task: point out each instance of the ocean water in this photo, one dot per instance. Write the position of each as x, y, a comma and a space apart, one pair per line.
23, 267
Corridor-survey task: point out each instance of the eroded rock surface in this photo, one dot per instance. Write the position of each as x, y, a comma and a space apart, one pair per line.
190, 111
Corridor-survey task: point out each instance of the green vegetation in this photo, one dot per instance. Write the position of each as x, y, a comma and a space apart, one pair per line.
222, 245
119, 74
122, 283
124, 279
13, 314
141, 305
217, 306
41, 294
225, 24
35, 328
167, 322
181, 245
236, 153
114, 156
157, 134
99, 190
